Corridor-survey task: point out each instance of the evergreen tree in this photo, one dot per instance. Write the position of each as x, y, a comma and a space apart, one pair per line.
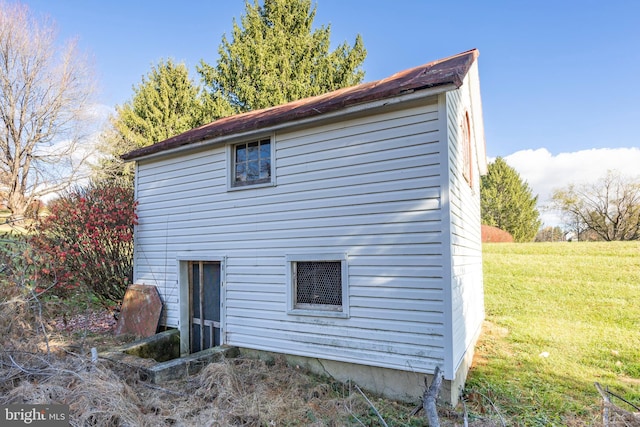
508, 203
163, 105
275, 57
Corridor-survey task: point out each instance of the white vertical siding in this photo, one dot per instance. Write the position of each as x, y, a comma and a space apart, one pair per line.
368, 187
467, 294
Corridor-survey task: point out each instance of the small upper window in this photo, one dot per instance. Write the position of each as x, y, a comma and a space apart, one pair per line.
251, 163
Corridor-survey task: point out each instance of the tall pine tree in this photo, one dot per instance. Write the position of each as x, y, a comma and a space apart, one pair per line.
508, 203
164, 104
275, 57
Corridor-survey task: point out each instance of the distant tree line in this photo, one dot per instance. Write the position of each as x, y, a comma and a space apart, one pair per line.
551, 234
607, 209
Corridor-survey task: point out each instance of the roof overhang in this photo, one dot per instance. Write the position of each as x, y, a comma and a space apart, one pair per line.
419, 82
306, 122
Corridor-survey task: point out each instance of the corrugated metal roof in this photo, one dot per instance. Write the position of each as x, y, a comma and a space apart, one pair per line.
447, 71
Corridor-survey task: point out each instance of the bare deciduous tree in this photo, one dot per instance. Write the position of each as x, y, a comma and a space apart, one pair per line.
609, 207
44, 110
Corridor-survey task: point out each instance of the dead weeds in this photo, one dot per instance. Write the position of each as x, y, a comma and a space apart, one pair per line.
46, 363
40, 364
236, 392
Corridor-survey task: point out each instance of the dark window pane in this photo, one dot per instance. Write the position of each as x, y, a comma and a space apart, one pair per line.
241, 153
265, 150
253, 151
195, 291
252, 162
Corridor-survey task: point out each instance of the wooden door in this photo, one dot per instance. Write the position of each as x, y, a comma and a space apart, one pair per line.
204, 296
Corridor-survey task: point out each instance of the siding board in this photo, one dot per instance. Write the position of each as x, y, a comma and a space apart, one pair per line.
432, 340
349, 141
227, 201
372, 358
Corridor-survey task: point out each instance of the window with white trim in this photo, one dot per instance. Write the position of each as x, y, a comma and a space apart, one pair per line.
318, 284
251, 163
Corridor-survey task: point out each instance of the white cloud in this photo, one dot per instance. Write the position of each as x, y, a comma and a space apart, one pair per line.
545, 172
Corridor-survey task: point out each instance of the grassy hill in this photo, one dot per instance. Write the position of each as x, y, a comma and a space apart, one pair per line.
560, 316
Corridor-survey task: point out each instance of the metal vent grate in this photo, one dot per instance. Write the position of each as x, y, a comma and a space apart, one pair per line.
319, 282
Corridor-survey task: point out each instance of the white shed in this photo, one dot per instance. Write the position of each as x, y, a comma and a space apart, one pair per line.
341, 230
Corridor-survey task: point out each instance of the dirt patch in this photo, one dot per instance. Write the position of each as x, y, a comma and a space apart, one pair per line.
98, 321
491, 333
631, 381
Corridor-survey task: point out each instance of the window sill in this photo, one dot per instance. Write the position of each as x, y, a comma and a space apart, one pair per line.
250, 186
318, 313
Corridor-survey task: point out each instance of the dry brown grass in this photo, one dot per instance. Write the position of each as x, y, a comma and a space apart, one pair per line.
41, 366
238, 392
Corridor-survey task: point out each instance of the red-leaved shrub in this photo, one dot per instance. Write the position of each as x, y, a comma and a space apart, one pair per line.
492, 234
88, 239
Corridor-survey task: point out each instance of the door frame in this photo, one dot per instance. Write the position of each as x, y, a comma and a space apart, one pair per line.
184, 324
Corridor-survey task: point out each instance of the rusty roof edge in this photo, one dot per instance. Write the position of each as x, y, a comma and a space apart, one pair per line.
427, 76
251, 133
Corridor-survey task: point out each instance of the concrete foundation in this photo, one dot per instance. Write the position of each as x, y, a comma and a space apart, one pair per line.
391, 383
157, 360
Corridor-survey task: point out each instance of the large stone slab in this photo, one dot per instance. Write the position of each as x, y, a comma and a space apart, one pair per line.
141, 309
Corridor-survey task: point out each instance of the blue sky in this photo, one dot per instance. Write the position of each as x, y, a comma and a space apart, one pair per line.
557, 77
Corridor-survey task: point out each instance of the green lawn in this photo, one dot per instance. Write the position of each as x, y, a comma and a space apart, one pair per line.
560, 316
